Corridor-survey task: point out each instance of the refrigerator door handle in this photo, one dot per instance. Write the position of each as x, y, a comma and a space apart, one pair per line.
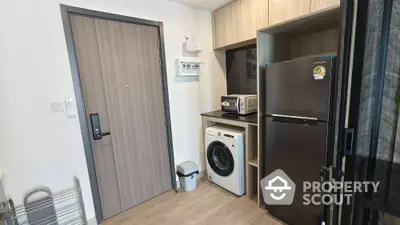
308, 121
238, 105
295, 117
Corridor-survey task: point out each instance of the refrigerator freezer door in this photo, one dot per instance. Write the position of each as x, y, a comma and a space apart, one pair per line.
300, 87
298, 150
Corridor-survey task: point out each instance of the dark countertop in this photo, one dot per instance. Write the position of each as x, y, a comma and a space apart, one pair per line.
251, 118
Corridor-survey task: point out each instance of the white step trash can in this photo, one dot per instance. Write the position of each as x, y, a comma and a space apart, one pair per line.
187, 173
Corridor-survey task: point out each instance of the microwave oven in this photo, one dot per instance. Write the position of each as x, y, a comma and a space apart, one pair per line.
239, 104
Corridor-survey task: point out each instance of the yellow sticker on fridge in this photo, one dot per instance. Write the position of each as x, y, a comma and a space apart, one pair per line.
319, 72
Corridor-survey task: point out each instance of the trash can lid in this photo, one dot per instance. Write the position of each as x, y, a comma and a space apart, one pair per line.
187, 167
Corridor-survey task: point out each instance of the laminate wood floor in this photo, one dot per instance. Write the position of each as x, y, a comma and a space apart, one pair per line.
208, 204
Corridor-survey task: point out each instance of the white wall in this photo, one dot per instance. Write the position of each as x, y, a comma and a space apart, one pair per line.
38, 147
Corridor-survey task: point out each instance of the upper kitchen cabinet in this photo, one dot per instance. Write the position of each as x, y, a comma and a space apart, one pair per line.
226, 24
282, 10
254, 16
236, 24
321, 4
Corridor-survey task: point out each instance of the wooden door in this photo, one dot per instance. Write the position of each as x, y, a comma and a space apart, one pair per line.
92, 86
317, 5
283, 10
131, 69
120, 72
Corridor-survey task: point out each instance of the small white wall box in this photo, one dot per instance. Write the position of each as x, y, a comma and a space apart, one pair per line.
188, 67
191, 46
70, 107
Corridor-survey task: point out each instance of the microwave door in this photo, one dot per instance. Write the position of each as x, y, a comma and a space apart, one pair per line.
230, 104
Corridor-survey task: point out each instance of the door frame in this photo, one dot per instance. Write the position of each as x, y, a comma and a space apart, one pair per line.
361, 208
66, 12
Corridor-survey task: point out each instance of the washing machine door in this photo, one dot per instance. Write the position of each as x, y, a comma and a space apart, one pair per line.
220, 158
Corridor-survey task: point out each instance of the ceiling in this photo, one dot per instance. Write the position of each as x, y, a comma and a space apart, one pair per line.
204, 4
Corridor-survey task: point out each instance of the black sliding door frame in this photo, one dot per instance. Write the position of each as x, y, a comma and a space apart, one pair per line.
362, 209
340, 109
356, 82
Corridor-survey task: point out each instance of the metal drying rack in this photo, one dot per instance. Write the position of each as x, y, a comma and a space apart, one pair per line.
62, 208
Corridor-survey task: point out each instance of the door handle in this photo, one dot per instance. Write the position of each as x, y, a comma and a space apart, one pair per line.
294, 117
300, 120
324, 173
96, 128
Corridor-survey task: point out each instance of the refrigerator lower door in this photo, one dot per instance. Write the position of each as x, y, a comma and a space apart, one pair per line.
294, 87
298, 150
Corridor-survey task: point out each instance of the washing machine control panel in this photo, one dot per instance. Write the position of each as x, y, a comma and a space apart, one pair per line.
214, 132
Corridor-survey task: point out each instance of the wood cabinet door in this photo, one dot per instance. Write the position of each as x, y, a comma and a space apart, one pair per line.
254, 16
218, 28
261, 12
282, 10
226, 25
321, 4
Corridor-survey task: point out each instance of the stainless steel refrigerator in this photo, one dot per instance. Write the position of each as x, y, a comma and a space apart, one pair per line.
296, 129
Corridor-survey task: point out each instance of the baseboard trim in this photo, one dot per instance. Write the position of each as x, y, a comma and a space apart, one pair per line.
92, 221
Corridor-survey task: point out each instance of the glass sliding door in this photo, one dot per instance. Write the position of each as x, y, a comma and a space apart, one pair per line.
374, 114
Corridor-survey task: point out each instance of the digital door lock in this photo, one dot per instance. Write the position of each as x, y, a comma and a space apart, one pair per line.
96, 128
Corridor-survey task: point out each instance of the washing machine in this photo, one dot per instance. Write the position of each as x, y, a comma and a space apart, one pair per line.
225, 158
